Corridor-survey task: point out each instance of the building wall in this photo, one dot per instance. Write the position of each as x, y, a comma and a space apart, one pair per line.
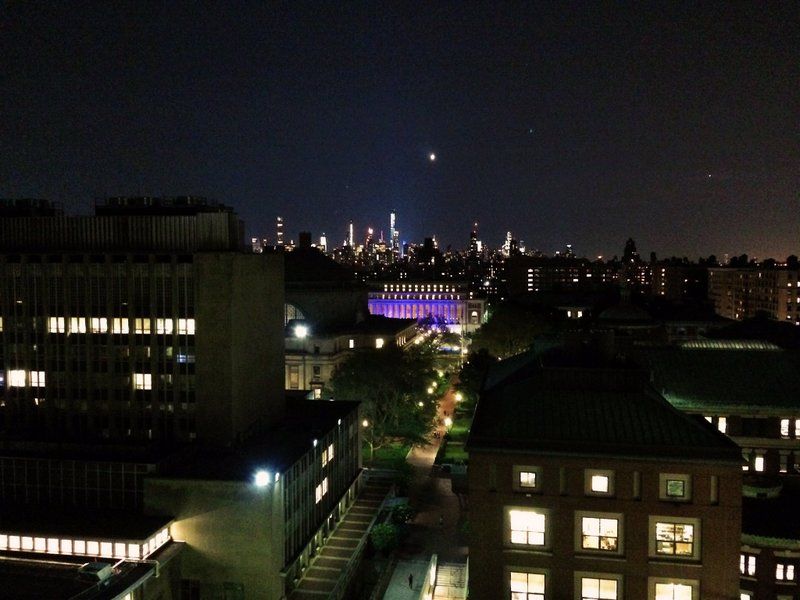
562, 493
233, 534
239, 343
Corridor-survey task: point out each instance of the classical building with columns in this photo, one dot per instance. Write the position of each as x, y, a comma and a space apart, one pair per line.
449, 303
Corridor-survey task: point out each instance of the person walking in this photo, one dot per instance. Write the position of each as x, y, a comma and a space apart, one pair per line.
411, 581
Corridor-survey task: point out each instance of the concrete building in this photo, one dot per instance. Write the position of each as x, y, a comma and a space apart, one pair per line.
743, 293
588, 484
142, 401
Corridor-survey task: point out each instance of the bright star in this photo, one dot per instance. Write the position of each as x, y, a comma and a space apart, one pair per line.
432, 157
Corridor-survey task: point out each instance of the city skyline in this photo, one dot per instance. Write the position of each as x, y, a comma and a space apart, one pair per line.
584, 125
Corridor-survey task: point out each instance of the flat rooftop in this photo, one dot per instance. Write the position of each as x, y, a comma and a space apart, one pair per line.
275, 449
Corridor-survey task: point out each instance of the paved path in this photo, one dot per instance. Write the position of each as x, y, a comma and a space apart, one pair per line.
435, 528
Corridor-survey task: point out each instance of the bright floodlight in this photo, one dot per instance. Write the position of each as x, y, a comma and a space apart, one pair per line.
365, 423
262, 478
448, 422
459, 397
300, 331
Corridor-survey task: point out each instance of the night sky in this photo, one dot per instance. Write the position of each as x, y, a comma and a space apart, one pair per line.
564, 123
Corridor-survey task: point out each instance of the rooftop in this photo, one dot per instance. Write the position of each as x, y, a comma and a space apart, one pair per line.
607, 409
709, 379
276, 449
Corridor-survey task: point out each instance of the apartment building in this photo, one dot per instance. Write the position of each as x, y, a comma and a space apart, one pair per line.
742, 293
590, 485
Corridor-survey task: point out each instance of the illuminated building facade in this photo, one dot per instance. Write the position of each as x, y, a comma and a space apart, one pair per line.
742, 293
590, 485
529, 274
449, 304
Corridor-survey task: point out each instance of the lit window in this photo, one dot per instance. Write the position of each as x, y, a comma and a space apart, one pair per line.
595, 588
66, 546
133, 551
40, 544
27, 543
379, 343
119, 325
784, 572
77, 325
745, 596
758, 463
141, 326
3, 542
527, 527
351, 343
675, 486
784, 428
330, 452
797, 428
80, 547
673, 591
119, 550
55, 325
17, 378
98, 325
527, 586
13, 542
105, 549
599, 534
186, 326
142, 381
164, 326
52, 545
527, 479
675, 539
747, 564
324, 457
722, 424
600, 483
37, 378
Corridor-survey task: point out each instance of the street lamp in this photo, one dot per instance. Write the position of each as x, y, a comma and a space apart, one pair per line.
261, 478
448, 422
459, 396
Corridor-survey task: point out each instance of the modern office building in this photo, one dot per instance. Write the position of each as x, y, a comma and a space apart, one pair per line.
589, 484
530, 274
142, 401
743, 293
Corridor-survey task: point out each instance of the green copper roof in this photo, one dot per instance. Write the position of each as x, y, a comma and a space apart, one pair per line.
709, 379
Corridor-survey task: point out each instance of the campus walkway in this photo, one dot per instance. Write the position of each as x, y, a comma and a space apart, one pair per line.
435, 529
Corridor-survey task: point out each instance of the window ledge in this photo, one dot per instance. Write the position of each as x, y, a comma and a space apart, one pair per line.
688, 562
526, 551
599, 556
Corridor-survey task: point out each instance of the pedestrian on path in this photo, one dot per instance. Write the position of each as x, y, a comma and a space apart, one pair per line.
411, 581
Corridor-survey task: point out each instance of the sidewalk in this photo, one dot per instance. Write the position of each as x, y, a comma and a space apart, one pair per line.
398, 586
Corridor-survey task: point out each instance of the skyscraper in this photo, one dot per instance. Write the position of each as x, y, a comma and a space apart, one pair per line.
279, 228
350, 234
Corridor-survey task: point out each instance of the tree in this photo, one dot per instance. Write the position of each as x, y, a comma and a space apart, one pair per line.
510, 330
392, 387
384, 537
473, 373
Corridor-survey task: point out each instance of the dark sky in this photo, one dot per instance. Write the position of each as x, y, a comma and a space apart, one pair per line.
575, 123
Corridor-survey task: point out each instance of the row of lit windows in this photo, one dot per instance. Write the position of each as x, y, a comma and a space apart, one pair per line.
602, 532
783, 571
598, 482
120, 325
605, 586
23, 378
80, 547
419, 288
420, 297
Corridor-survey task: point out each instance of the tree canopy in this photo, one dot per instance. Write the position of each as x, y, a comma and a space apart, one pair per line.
391, 384
510, 330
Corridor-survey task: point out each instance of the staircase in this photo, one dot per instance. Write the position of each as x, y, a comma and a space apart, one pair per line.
451, 582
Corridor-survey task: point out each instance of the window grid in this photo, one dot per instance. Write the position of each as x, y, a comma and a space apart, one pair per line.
675, 539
